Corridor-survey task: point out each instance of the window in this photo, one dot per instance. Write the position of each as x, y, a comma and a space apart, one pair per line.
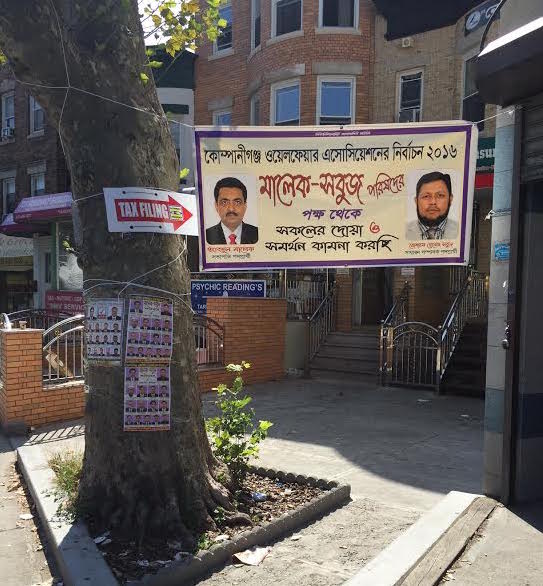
8, 195
286, 16
37, 184
286, 104
255, 111
8, 115
224, 40
222, 118
36, 116
339, 13
335, 101
256, 12
410, 94
473, 108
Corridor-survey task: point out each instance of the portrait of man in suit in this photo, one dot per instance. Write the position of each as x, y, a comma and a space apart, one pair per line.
231, 204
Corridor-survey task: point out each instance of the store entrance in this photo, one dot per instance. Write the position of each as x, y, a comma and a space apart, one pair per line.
372, 295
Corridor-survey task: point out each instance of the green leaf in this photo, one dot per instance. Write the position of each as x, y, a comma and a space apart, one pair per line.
155, 64
183, 173
144, 78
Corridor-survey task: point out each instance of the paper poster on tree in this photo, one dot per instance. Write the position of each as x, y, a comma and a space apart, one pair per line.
313, 197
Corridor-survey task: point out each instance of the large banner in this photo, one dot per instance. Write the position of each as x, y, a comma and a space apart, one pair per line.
400, 194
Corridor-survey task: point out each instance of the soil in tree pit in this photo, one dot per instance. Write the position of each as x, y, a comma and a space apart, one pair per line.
129, 563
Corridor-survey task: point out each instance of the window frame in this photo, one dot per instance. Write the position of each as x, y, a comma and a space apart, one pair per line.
5, 96
274, 19
217, 113
255, 98
356, 18
225, 50
4, 195
273, 92
253, 21
399, 76
32, 176
31, 109
336, 78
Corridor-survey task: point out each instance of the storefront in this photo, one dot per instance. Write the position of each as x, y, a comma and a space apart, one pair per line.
16, 275
58, 279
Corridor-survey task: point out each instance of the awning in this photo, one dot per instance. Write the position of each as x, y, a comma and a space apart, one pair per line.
43, 208
12, 228
406, 17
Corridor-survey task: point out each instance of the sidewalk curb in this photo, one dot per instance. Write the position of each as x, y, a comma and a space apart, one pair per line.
396, 562
79, 560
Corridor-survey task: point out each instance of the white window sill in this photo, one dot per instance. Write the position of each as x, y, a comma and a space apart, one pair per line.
36, 133
285, 37
254, 52
337, 30
221, 54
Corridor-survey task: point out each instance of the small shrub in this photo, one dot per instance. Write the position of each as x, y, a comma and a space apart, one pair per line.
67, 467
234, 436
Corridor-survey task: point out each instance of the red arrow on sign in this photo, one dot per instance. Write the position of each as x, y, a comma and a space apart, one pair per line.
146, 210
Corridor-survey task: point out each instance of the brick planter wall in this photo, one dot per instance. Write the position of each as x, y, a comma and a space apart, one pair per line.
254, 331
344, 284
24, 401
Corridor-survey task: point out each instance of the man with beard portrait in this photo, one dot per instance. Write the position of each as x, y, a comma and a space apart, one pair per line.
433, 200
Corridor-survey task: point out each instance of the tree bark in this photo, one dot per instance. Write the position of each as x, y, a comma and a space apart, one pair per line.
141, 484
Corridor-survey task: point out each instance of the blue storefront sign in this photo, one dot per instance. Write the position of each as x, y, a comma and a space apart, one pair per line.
201, 289
501, 250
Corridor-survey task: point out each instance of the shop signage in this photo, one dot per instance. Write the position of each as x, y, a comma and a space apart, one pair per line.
407, 271
502, 251
479, 16
485, 154
70, 302
11, 247
309, 197
134, 209
44, 207
200, 290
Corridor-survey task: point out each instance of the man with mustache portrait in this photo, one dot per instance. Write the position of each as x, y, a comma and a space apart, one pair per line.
231, 204
433, 199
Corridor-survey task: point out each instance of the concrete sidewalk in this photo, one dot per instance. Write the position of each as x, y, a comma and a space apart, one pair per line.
507, 550
401, 450
22, 559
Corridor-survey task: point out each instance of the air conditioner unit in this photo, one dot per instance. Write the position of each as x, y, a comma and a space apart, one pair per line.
7, 132
407, 42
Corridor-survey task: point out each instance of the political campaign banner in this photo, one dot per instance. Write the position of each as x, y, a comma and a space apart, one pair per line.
104, 329
149, 333
335, 197
201, 289
147, 400
135, 209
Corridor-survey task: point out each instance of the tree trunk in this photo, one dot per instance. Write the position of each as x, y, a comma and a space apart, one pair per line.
142, 484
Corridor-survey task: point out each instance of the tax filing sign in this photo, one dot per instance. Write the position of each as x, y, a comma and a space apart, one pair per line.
398, 194
134, 209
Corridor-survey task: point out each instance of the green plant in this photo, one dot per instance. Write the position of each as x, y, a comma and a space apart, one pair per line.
67, 467
234, 436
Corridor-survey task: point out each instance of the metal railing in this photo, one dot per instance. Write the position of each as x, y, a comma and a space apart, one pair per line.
469, 303
417, 354
396, 316
320, 324
303, 297
63, 351
40, 319
209, 338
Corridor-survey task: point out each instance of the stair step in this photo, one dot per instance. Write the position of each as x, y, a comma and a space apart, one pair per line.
343, 365
364, 378
355, 341
348, 352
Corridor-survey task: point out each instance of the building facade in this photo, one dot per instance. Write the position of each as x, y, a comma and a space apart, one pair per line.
31, 165
323, 62
284, 63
